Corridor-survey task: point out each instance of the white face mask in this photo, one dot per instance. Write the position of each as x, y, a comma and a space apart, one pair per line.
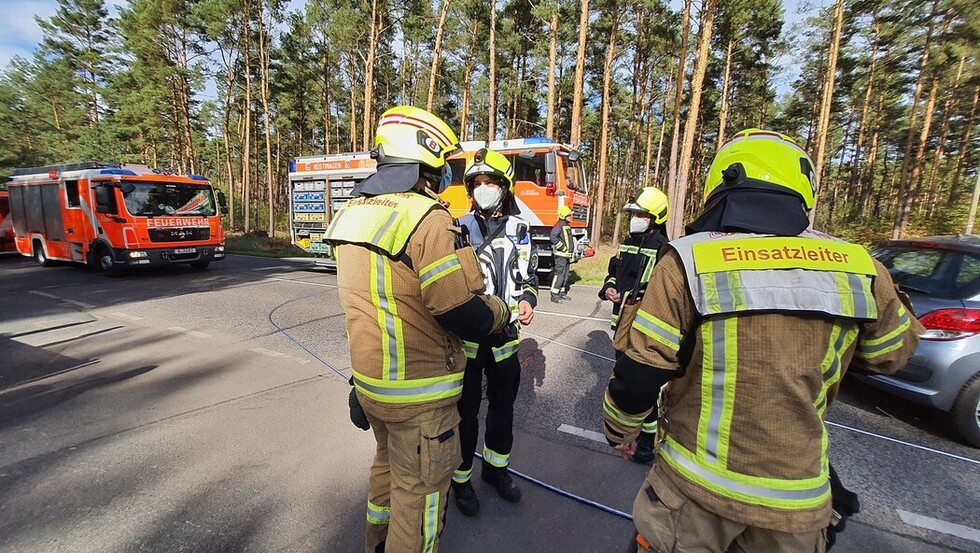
487, 198
639, 224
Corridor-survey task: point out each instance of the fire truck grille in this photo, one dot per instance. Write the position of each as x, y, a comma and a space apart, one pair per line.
185, 234
580, 213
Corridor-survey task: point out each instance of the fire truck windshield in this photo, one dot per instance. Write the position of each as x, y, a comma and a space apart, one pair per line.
153, 199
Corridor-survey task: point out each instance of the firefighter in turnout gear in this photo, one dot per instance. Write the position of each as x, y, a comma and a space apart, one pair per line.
502, 241
563, 251
753, 319
628, 274
411, 288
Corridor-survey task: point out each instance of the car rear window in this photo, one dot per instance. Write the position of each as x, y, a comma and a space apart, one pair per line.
932, 271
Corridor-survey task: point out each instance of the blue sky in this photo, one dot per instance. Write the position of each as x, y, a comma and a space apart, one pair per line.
22, 34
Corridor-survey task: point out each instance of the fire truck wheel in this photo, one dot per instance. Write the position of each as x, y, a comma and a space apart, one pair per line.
40, 256
104, 261
200, 265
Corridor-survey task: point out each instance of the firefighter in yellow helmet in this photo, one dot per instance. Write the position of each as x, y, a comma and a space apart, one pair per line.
502, 240
628, 273
411, 288
753, 319
563, 252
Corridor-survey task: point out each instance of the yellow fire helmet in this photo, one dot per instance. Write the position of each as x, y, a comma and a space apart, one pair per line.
564, 211
490, 163
764, 160
408, 134
652, 203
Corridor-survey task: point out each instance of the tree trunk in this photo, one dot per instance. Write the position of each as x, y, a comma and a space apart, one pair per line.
723, 113
678, 97
964, 147
660, 141
827, 100
690, 126
915, 180
552, 62
367, 123
607, 72
973, 205
464, 122
902, 206
226, 132
353, 102
264, 81
247, 112
583, 32
443, 14
492, 104
866, 107
932, 192
326, 100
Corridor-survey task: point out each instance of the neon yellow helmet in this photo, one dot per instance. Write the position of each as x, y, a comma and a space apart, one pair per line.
408, 134
564, 211
763, 160
651, 202
490, 163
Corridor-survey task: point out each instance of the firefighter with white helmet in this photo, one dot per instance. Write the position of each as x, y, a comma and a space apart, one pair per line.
753, 319
412, 289
502, 241
563, 251
628, 274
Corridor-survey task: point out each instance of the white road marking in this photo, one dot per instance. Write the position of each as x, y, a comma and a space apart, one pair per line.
930, 523
81, 304
553, 314
193, 333
917, 446
271, 353
126, 316
304, 282
581, 432
44, 294
571, 347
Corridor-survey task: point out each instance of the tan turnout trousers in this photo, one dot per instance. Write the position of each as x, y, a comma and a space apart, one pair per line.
410, 479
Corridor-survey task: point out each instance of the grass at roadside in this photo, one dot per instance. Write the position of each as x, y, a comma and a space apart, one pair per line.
592, 270
256, 244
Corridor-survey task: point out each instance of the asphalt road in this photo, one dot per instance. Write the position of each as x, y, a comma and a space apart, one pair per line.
206, 411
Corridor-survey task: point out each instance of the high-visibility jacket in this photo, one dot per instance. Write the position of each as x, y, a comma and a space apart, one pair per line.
508, 263
562, 242
763, 328
400, 265
629, 270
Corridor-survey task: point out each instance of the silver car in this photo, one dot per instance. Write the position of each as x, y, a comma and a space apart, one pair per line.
941, 275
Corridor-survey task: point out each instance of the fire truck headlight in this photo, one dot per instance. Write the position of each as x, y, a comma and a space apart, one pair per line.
219, 249
137, 254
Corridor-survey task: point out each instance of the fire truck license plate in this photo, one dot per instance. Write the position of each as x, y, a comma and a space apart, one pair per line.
185, 250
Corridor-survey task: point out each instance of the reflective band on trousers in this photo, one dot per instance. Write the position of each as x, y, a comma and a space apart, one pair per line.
769, 492
378, 514
650, 427
460, 476
498, 460
470, 349
410, 391
430, 522
506, 350
617, 414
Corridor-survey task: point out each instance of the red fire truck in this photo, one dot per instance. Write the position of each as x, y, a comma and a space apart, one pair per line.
113, 216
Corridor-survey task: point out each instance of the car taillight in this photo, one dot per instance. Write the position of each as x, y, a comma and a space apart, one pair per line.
950, 324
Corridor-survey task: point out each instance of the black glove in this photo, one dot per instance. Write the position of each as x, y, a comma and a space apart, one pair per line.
845, 505
357, 415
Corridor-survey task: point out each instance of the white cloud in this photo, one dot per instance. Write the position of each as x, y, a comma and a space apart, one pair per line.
21, 33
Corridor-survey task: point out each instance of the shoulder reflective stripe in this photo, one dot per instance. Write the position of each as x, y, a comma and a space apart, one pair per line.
869, 349
506, 350
719, 368
778, 252
470, 349
499, 460
657, 329
609, 407
430, 522
770, 492
392, 341
378, 514
410, 391
438, 269
461, 476
841, 338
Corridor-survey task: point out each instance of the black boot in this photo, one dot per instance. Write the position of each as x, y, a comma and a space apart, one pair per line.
466, 499
555, 298
564, 296
500, 479
644, 448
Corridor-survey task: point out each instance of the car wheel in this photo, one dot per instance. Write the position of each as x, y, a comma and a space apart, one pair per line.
200, 265
966, 411
39, 256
